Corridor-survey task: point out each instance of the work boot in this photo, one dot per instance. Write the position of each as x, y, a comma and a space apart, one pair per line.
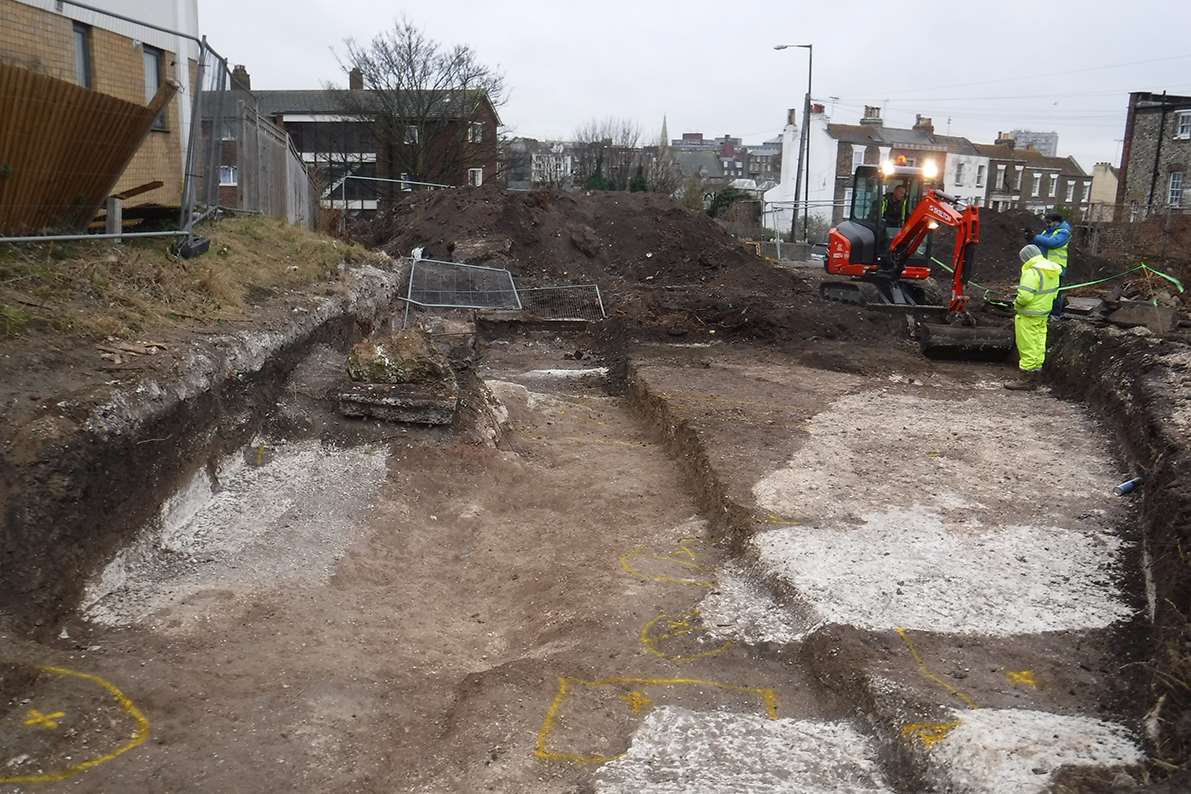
1028, 382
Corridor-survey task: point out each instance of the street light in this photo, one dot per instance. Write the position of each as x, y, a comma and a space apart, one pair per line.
804, 142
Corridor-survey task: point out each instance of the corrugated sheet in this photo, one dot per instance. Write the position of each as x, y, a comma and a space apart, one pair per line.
62, 150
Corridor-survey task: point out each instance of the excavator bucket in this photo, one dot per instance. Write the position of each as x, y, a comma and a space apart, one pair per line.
982, 343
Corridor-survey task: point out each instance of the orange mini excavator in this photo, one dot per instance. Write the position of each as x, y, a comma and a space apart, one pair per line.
885, 247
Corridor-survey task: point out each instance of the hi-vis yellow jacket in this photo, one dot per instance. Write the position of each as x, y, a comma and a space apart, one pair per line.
1038, 288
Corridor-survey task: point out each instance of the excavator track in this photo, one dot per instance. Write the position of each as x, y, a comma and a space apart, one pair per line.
857, 293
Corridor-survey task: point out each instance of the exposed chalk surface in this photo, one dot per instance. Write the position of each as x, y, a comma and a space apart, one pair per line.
677, 750
597, 372
741, 609
976, 458
268, 514
907, 568
1012, 751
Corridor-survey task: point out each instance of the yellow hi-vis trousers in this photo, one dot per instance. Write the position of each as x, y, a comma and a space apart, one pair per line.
1030, 333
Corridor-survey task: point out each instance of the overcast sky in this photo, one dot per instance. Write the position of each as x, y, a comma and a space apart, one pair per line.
710, 67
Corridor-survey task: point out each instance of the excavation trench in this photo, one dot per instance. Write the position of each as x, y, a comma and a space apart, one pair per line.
589, 586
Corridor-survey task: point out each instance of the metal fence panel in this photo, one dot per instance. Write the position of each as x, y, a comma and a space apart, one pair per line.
569, 302
453, 285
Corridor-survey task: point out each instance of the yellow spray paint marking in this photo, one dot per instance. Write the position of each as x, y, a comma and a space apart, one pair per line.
1023, 678
36, 719
930, 676
684, 556
928, 733
139, 734
665, 631
637, 700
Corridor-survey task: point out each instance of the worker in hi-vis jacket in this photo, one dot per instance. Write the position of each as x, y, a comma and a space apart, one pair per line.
1036, 293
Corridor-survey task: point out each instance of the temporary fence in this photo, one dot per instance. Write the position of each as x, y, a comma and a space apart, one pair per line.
437, 284
238, 159
566, 302
93, 135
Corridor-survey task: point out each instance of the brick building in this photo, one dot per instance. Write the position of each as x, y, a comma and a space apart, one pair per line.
117, 58
337, 143
1028, 179
1157, 154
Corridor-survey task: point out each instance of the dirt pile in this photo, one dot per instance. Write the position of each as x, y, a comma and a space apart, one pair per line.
549, 236
1001, 238
661, 268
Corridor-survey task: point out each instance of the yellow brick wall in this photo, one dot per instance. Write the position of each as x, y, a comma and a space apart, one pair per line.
36, 40
44, 42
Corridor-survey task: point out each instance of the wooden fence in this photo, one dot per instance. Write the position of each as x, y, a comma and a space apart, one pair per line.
63, 148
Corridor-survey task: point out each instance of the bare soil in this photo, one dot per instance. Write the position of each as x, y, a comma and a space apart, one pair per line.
428, 657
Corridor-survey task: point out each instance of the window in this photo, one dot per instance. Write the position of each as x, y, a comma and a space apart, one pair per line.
1037, 190
229, 176
1070, 192
475, 132
1021, 169
82, 54
1054, 185
959, 173
411, 134
857, 157
227, 131
154, 60
980, 175
1001, 183
848, 197
475, 176
405, 185
1182, 125
1176, 189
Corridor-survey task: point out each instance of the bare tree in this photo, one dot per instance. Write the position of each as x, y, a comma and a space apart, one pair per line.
424, 102
606, 151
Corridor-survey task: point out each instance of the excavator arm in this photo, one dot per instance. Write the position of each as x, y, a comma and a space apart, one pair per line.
934, 209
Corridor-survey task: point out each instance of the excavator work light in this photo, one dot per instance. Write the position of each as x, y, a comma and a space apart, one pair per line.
930, 169
888, 168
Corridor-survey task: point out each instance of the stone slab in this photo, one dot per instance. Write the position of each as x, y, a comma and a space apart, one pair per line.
401, 402
1158, 319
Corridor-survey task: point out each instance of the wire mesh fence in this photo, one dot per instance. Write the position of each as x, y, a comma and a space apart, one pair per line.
436, 284
133, 125
566, 302
240, 159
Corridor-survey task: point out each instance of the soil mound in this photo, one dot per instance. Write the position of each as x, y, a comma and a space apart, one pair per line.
554, 237
1001, 239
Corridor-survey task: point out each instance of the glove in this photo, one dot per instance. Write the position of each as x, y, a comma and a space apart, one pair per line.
1028, 235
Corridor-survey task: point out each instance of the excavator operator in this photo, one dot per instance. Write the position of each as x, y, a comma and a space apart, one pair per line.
895, 208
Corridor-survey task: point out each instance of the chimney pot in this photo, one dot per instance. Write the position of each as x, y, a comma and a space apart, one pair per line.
240, 78
872, 115
355, 79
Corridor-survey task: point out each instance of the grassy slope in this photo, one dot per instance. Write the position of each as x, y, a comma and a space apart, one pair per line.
102, 288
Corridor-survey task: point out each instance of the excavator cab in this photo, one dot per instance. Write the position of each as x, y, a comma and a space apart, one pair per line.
870, 228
